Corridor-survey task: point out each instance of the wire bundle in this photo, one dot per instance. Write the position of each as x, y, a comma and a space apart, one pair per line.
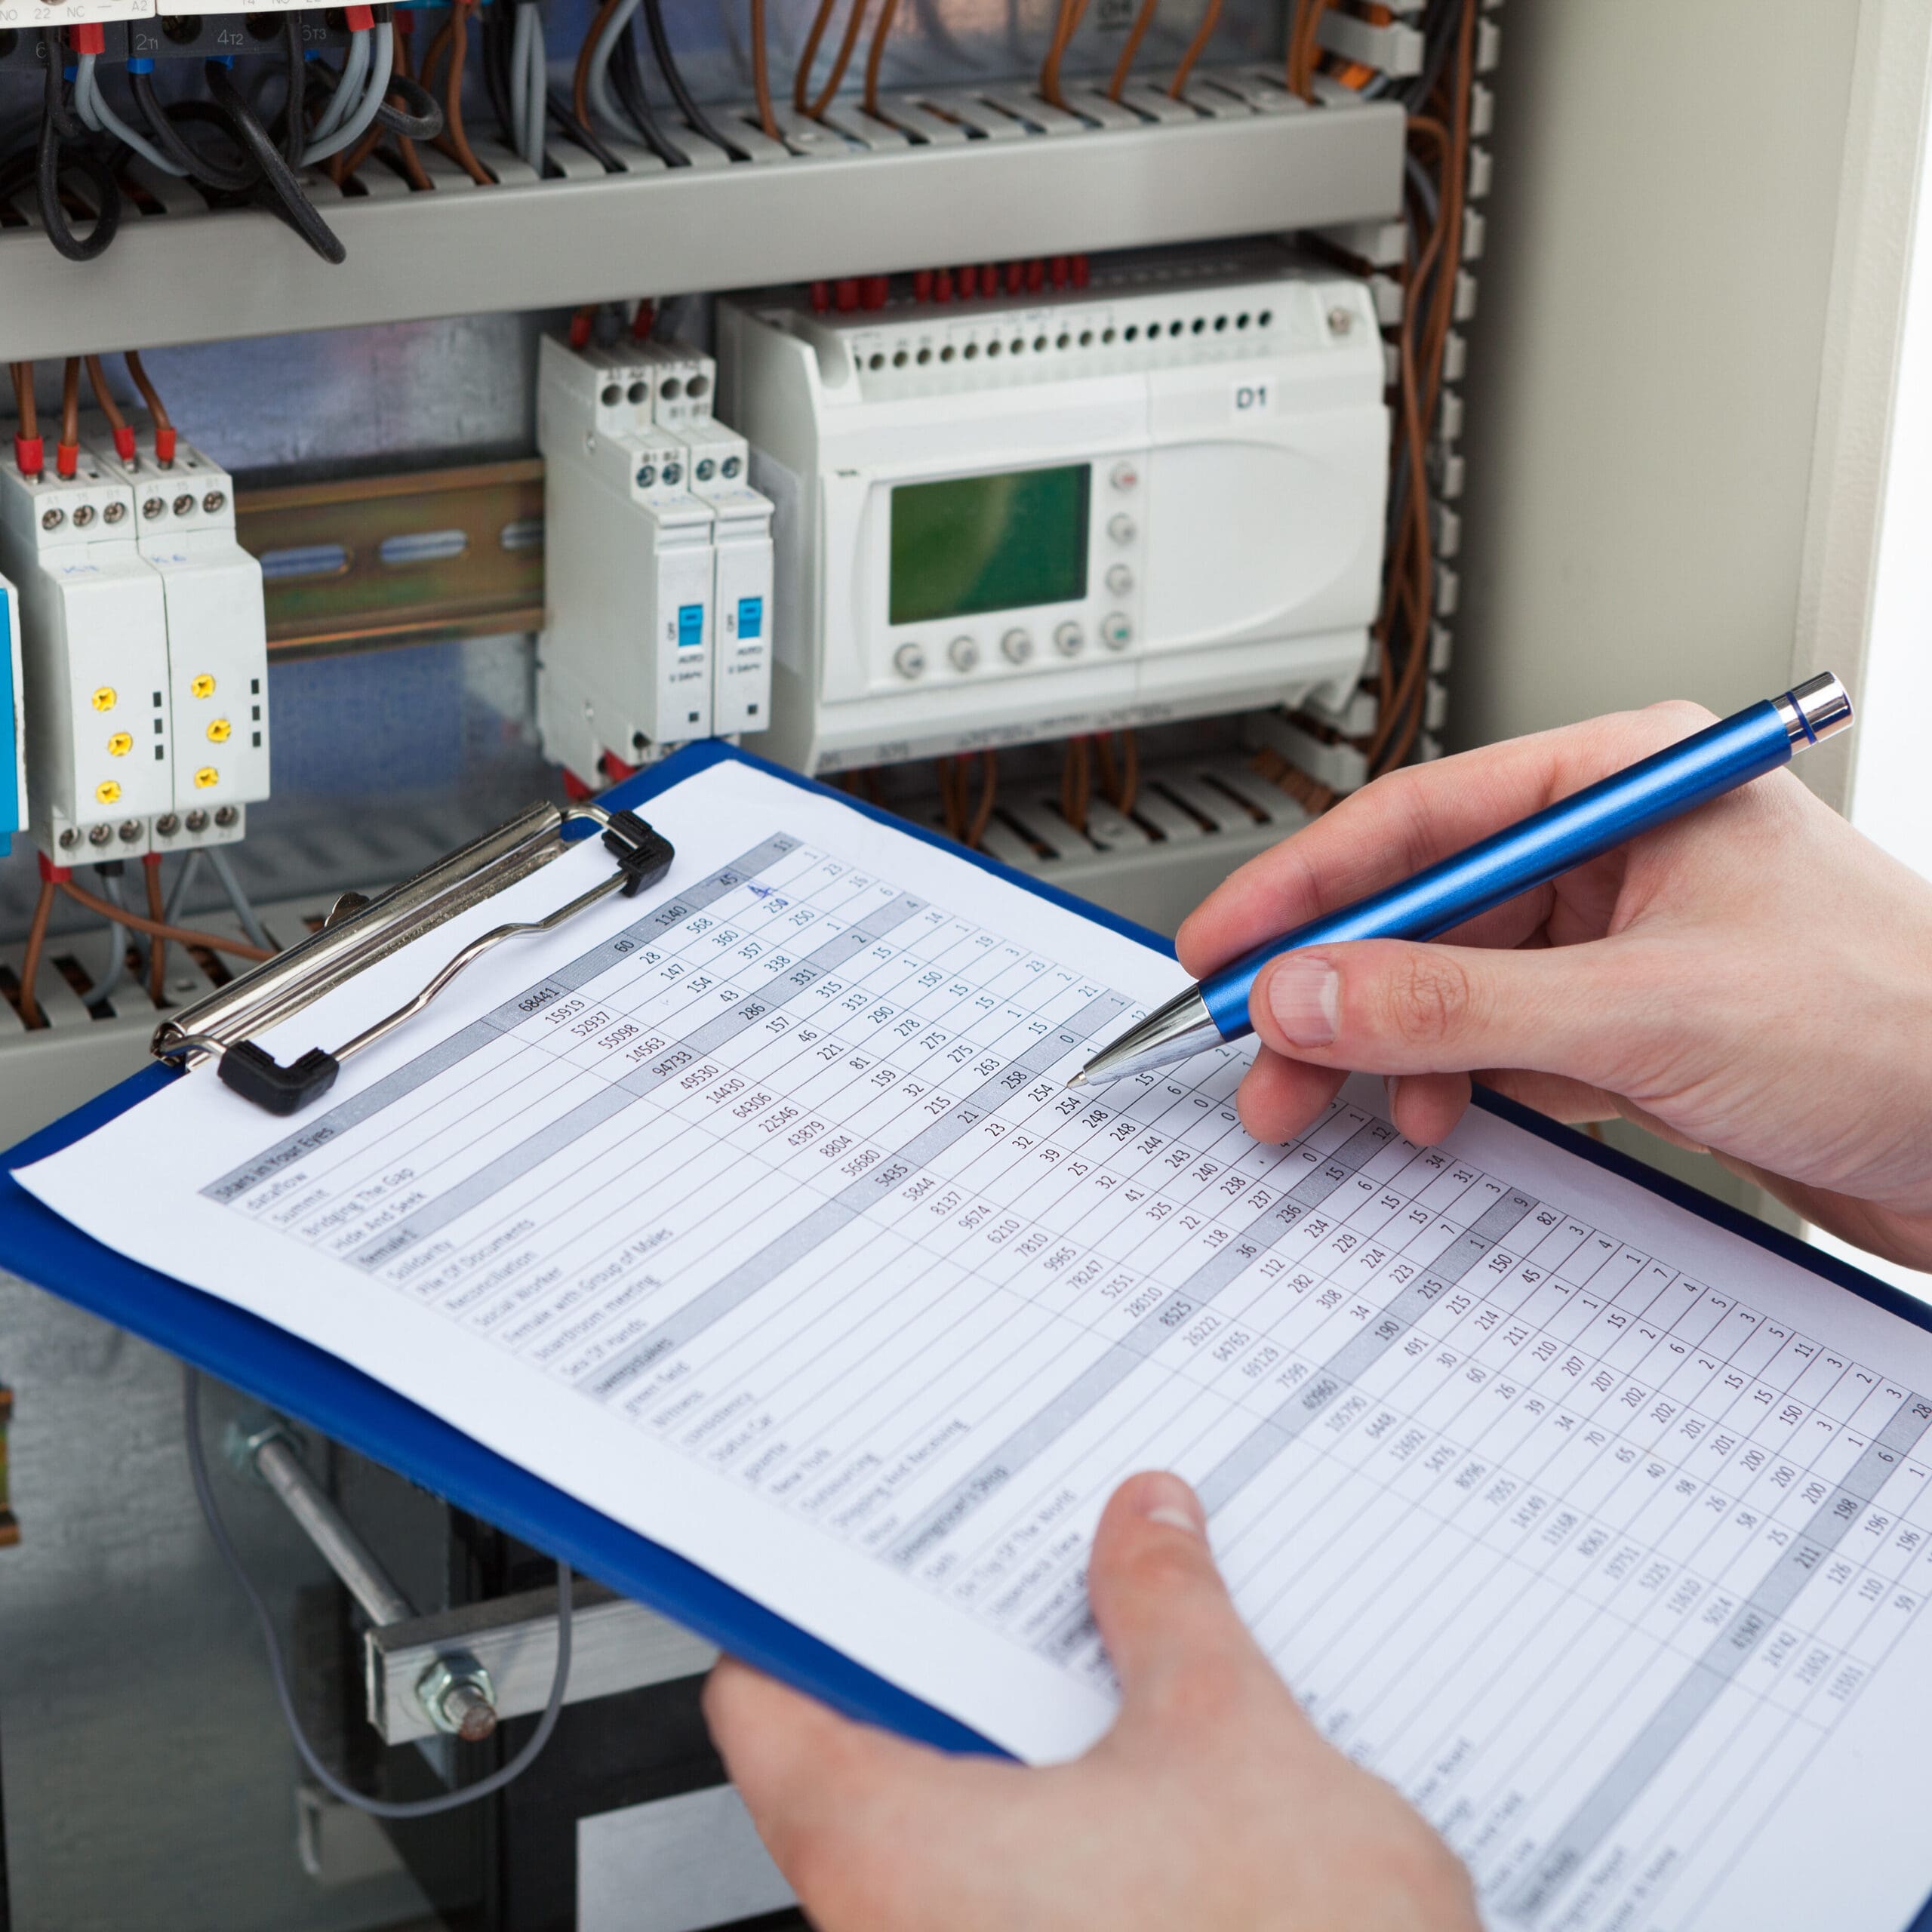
609, 58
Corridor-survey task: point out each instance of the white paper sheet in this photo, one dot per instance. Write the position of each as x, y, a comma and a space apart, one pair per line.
755, 1213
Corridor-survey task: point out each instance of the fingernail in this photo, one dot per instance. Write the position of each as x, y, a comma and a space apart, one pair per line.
1166, 1499
1305, 996
1390, 1081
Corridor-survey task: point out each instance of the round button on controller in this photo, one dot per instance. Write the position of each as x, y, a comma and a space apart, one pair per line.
1124, 476
1120, 579
1122, 529
1068, 639
1116, 630
964, 654
1016, 646
909, 660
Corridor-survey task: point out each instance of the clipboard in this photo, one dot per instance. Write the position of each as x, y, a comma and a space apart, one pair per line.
318, 1389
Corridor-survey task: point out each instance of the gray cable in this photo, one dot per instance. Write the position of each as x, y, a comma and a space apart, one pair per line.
250, 924
380, 64
377, 1808
599, 88
182, 880
348, 91
118, 936
91, 105
536, 103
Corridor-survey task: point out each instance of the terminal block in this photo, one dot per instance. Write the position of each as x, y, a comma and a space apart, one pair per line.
217, 639
94, 647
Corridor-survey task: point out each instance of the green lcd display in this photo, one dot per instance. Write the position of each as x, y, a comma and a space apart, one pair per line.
977, 543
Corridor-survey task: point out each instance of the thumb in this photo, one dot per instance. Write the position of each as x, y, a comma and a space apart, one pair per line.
1590, 1012
1176, 1641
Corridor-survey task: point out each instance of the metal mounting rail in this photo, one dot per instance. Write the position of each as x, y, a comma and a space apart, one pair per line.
1006, 177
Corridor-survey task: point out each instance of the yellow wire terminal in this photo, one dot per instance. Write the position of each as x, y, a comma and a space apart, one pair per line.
120, 745
108, 792
202, 686
206, 776
220, 731
105, 698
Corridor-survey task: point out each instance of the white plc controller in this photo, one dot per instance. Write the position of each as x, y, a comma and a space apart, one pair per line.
1155, 496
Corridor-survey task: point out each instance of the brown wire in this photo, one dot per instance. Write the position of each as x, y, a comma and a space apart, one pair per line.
1203, 34
1066, 24
149, 394
949, 798
70, 403
768, 118
580, 74
1075, 786
23, 401
982, 813
43, 910
874, 53
1136, 34
158, 929
454, 141
800, 81
1305, 47
157, 912
97, 382
413, 171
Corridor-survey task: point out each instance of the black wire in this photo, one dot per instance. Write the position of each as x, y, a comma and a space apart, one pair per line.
667, 64
283, 191
295, 129
627, 77
496, 65
422, 120
168, 139
67, 124
58, 151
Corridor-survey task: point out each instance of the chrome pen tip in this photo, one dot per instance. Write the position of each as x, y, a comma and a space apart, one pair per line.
1078, 1080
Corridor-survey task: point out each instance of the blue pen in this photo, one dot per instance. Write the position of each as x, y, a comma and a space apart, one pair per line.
1530, 854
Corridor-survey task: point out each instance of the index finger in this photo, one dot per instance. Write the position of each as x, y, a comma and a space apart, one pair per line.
1392, 829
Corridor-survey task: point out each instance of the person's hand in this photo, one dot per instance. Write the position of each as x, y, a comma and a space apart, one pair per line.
1756, 979
1212, 1803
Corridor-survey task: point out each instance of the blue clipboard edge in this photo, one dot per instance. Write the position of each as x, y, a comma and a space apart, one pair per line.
317, 1387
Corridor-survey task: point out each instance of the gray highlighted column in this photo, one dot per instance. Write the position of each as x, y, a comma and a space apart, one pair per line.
1619, 1789
1096, 1383
759, 1270
488, 1182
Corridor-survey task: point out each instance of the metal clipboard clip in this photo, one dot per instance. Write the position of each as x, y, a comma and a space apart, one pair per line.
359, 931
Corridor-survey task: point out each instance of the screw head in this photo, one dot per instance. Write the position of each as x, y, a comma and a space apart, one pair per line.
70, 839
83, 515
731, 465
213, 501
100, 835
674, 472
52, 519
167, 824
706, 469
113, 512
647, 475
184, 506
225, 815
197, 821
152, 507
1341, 321
130, 830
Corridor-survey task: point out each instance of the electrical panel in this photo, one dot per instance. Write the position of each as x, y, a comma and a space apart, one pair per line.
1031, 514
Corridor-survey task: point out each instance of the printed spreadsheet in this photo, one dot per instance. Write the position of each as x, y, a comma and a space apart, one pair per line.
1587, 1548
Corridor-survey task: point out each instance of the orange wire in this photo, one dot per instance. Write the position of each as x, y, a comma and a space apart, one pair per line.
768, 118
97, 382
1124, 67
800, 81
70, 403
1196, 48
23, 401
982, 813
455, 142
1066, 24
874, 53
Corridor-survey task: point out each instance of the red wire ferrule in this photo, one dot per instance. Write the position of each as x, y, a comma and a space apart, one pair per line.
967, 281
644, 321
30, 452
1016, 276
124, 443
53, 874
922, 285
1036, 276
88, 38
580, 327
163, 447
1081, 271
821, 297
942, 285
1056, 271
877, 290
66, 459
845, 294
359, 19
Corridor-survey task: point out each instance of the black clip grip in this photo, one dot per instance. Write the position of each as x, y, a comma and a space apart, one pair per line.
261, 1077
643, 854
